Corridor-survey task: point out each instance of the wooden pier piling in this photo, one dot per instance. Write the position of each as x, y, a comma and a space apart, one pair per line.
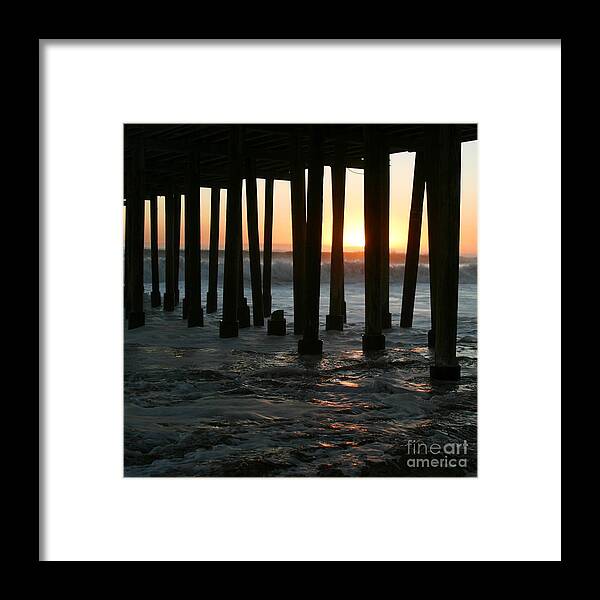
182, 158
169, 296
335, 319
258, 311
186, 229
411, 264
310, 342
443, 196
373, 339
176, 244
267, 246
229, 326
213, 258
126, 258
298, 203
386, 316
155, 293
195, 313
243, 311
135, 219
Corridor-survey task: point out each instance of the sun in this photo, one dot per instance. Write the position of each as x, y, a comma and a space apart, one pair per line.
354, 238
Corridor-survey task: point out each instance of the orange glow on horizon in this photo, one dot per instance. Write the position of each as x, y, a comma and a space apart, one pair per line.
401, 175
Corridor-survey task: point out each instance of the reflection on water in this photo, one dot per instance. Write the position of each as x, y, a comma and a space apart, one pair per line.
199, 406
350, 384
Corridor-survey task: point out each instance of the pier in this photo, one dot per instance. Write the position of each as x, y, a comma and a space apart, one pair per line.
176, 161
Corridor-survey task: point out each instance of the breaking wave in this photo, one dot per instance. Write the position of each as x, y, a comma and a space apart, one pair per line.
282, 268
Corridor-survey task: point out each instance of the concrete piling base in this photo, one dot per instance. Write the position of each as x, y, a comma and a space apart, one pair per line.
276, 327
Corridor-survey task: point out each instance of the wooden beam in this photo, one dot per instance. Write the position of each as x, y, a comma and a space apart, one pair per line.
243, 310
373, 339
176, 244
443, 195
310, 342
169, 297
135, 246
335, 319
267, 247
298, 206
214, 149
126, 258
195, 314
229, 326
411, 264
186, 234
213, 259
386, 317
155, 294
258, 310
432, 287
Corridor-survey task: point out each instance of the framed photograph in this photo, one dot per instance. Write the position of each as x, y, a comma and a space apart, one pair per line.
279, 313
300, 299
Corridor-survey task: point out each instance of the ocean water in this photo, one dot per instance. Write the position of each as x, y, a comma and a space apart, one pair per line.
198, 405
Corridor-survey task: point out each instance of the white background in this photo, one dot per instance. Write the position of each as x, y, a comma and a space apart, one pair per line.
511, 511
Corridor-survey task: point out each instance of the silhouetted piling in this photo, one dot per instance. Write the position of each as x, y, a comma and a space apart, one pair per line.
135, 218
411, 264
310, 343
276, 325
267, 246
443, 194
186, 254
155, 294
213, 259
176, 244
154, 161
195, 314
335, 319
386, 317
169, 297
229, 326
258, 311
243, 311
298, 202
431, 243
373, 339
126, 258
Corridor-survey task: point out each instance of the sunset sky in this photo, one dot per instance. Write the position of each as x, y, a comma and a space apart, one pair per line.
402, 167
